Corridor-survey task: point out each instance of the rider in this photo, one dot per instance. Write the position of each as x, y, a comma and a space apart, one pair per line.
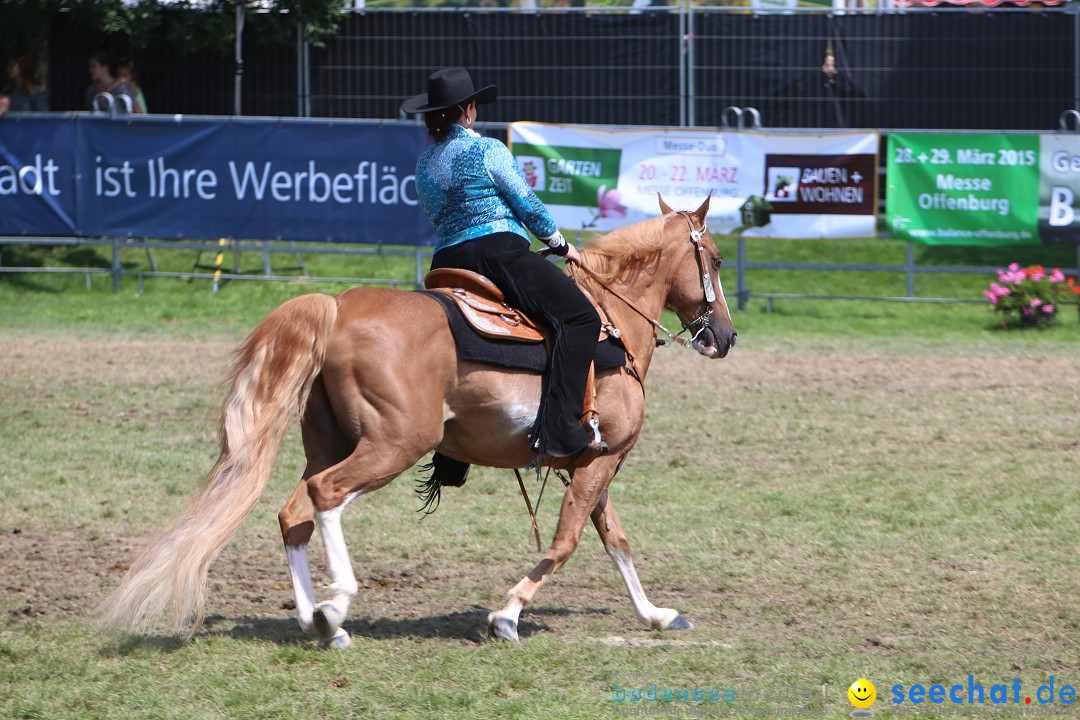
480, 206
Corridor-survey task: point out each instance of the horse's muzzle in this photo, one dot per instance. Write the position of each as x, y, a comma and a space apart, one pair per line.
715, 342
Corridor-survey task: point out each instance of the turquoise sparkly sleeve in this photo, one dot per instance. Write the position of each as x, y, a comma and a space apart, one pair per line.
508, 179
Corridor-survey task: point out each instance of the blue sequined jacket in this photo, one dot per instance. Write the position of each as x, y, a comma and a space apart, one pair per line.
470, 186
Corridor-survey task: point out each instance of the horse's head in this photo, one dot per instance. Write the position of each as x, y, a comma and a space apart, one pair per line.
696, 295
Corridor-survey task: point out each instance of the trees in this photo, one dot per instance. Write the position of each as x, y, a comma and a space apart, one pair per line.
190, 24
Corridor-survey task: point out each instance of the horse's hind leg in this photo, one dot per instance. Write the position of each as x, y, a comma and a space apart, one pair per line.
378, 458
618, 548
581, 496
324, 446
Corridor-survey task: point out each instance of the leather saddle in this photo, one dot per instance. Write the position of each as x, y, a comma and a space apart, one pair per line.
482, 304
485, 308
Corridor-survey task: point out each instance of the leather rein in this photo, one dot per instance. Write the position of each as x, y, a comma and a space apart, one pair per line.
706, 284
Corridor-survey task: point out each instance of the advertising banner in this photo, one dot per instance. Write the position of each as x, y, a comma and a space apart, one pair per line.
247, 178
37, 177
1059, 188
601, 179
963, 189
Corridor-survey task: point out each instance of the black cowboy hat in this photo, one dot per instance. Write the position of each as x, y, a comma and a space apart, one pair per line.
446, 88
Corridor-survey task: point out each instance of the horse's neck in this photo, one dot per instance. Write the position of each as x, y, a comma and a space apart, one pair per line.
647, 295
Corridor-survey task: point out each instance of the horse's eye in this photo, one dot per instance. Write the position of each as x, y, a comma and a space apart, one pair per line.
717, 261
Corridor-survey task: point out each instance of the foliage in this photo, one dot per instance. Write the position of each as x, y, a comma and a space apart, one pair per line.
189, 24
1029, 296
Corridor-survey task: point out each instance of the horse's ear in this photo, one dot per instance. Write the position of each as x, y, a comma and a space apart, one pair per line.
664, 207
702, 211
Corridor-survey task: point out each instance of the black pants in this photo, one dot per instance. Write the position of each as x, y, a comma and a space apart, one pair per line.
535, 286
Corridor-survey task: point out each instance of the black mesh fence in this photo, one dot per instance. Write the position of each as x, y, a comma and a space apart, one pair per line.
949, 69
945, 69
554, 67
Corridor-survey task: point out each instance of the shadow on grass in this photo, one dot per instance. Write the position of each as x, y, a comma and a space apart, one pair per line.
129, 645
469, 626
25, 281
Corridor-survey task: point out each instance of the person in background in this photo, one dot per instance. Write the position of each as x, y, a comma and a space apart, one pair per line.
102, 81
125, 73
480, 206
21, 92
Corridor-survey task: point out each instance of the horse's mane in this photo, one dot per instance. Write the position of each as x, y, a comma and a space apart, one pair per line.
622, 253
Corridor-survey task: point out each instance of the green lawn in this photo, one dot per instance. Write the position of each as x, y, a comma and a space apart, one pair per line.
859, 489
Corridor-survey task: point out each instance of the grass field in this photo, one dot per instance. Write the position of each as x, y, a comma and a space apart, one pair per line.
859, 489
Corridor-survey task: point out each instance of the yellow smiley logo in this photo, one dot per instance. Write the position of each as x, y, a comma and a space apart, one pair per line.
862, 693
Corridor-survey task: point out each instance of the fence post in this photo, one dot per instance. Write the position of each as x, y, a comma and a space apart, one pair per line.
117, 268
909, 252
686, 68
741, 291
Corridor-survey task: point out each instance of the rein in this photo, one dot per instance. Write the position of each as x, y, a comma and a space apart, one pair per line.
706, 284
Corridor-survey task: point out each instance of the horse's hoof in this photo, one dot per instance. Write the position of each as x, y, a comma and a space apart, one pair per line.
339, 641
503, 629
327, 620
679, 623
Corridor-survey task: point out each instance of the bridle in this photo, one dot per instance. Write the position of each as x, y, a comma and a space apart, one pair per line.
706, 286
706, 279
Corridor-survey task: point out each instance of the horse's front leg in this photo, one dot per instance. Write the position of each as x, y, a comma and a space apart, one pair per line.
618, 548
587, 485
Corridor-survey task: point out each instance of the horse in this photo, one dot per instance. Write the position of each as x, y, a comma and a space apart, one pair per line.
374, 376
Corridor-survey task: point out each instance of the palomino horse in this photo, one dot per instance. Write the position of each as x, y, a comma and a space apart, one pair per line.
376, 379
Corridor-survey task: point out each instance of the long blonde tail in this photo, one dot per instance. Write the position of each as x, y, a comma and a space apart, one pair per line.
271, 377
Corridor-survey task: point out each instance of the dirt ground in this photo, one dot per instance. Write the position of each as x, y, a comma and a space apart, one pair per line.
66, 571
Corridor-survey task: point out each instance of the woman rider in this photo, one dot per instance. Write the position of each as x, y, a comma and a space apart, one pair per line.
480, 206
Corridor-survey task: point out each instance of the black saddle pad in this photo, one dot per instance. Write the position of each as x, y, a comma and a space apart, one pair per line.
531, 357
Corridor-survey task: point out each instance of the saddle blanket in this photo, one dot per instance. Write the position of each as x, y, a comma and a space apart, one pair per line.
516, 355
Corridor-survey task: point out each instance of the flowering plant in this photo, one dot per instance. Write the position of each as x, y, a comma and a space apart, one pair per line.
1029, 296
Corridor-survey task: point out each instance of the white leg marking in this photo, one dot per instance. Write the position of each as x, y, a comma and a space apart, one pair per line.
511, 612
650, 615
303, 591
342, 581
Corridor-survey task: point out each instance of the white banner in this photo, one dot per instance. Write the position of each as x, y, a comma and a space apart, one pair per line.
601, 179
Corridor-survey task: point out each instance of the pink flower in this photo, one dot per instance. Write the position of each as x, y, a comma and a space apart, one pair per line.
1057, 276
1014, 277
1048, 309
991, 297
999, 290
608, 202
1037, 275
1014, 267
1036, 302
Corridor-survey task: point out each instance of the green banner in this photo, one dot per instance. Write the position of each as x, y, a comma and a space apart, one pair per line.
963, 189
568, 175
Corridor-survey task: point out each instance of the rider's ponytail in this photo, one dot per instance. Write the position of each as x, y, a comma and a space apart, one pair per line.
439, 121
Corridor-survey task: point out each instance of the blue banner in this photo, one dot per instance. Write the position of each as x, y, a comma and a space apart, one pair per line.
249, 178
37, 176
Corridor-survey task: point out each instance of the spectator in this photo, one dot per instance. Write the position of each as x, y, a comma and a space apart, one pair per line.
125, 73
21, 92
105, 92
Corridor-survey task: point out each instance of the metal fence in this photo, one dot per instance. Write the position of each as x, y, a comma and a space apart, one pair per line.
916, 68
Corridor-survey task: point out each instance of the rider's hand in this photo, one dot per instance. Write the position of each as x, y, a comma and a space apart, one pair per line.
572, 255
